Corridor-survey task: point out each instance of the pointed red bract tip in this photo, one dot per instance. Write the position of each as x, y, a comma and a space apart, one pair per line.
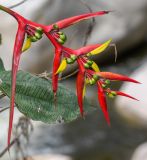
114, 76
72, 20
15, 63
103, 103
125, 95
80, 87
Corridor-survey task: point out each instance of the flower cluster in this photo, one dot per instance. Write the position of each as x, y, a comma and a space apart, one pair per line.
90, 74
29, 32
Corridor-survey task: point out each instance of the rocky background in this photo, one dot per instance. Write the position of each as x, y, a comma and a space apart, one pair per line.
90, 139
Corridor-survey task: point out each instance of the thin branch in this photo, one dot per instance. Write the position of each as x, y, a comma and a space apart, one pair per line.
2, 110
18, 4
25, 125
115, 49
11, 144
70, 75
2, 95
91, 25
70, 39
45, 75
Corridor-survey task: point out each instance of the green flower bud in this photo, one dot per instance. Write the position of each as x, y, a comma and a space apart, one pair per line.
92, 81
90, 62
73, 57
55, 26
61, 41
28, 36
96, 77
39, 30
86, 65
38, 35
69, 61
60, 33
107, 81
34, 39
63, 37
103, 85
113, 93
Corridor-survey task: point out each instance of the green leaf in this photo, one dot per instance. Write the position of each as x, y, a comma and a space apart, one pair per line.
35, 99
2, 68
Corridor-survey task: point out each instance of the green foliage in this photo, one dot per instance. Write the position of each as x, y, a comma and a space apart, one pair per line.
35, 99
2, 68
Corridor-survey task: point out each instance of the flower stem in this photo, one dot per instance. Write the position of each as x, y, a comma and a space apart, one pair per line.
12, 13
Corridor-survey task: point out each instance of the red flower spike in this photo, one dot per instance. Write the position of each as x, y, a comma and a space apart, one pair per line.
72, 20
102, 102
114, 76
16, 57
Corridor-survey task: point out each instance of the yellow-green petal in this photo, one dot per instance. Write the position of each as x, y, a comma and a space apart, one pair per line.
95, 67
100, 49
62, 66
86, 80
27, 45
84, 90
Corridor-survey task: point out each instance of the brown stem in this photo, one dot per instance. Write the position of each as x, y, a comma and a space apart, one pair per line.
73, 73
18, 4
2, 96
9, 146
4, 109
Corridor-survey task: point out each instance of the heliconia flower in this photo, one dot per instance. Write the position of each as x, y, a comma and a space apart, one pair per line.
81, 56
89, 73
103, 83
32, 32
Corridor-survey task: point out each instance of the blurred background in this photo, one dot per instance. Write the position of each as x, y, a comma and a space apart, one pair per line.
89, 139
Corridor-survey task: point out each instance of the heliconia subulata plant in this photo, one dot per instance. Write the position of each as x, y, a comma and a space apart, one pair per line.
88, 73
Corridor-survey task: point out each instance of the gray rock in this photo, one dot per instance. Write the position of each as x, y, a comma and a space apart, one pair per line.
140, 152
135, 111
50, 157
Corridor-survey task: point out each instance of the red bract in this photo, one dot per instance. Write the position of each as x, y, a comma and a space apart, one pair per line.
114, 76
16, 57
70, 21
34, 32
102, 101
80, 87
